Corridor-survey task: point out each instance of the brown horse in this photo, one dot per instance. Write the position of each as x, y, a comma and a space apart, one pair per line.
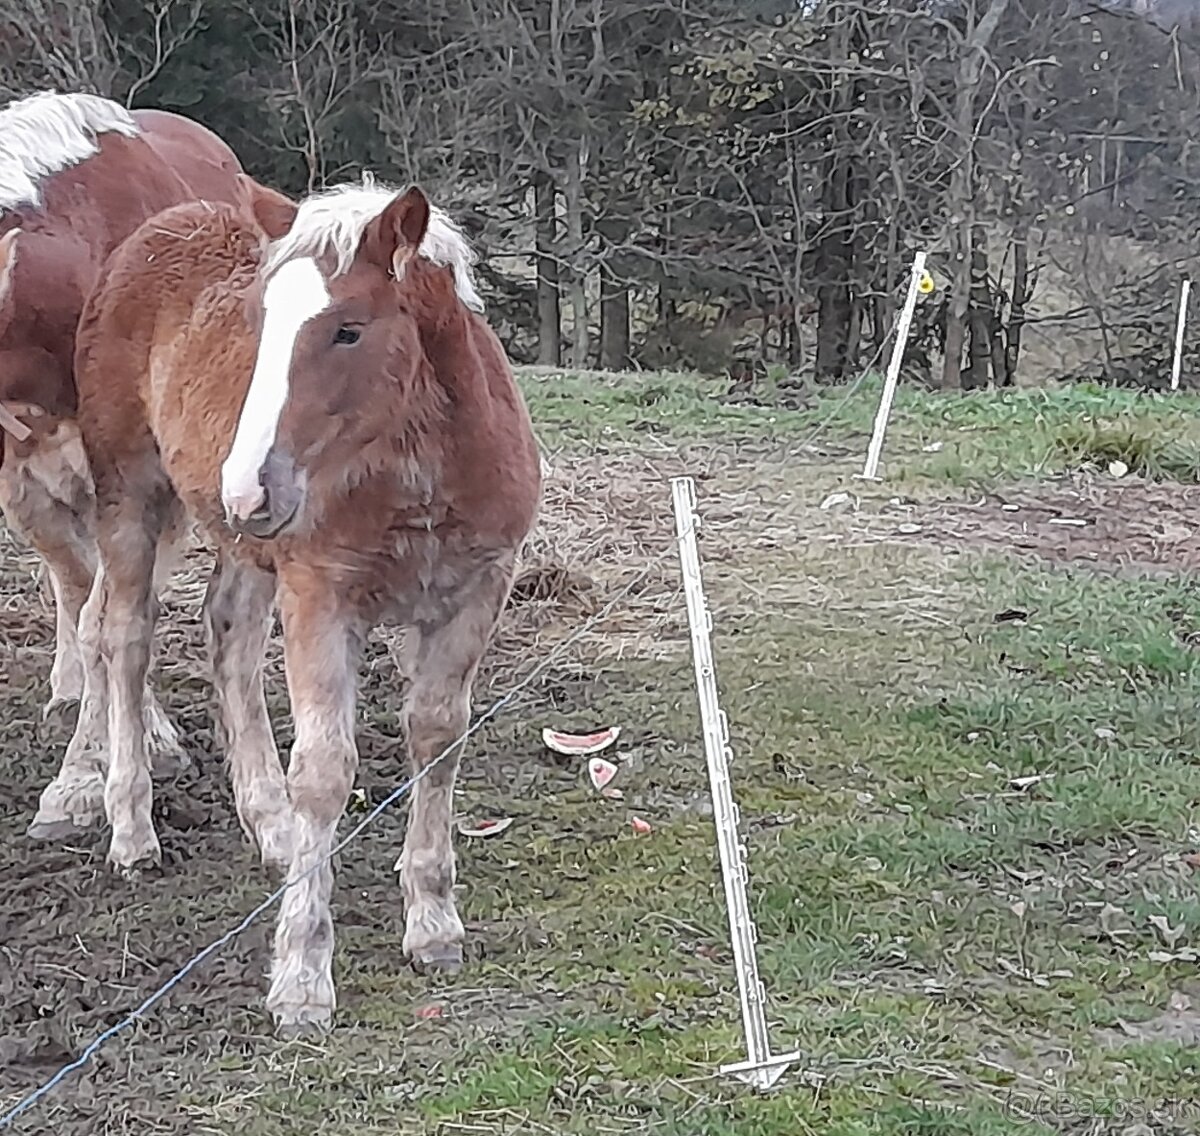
311, 385
78, 174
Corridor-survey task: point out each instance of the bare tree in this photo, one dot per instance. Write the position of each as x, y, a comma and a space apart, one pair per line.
323, 61
87, 45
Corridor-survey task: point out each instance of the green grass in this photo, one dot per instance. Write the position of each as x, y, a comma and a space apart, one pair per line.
932, 438
917, 913
953, 951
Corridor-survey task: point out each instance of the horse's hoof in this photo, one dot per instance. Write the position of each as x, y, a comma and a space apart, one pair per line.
131, 858
69, 808
58, 706
167, 755
438, 958
55, 831
302, 1023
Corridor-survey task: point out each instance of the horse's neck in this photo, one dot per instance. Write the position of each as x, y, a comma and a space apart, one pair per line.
457, 366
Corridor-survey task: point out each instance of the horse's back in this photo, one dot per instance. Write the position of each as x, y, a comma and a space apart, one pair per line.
84, 210
205, 162
170, 306
98, 201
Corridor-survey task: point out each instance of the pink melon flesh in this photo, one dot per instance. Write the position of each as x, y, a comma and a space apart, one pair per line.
601, 772
580, 745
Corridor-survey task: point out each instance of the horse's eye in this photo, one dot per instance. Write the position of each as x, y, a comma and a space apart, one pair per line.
346, 335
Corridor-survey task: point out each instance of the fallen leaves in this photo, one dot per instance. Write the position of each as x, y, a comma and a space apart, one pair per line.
1027, 782
1168, 934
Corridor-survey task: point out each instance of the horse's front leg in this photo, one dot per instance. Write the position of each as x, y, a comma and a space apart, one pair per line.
237, 618
74, 800
46, 496
66, 673
127, 538
322, 643
444, 662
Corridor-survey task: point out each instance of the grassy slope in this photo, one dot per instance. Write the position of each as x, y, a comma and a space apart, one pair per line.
969, 438
941, 947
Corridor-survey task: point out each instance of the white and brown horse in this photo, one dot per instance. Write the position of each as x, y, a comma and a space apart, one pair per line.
313, 385
78, 174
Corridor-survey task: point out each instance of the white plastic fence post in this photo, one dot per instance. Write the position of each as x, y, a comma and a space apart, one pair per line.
1185, 290
760, 1069
875, 449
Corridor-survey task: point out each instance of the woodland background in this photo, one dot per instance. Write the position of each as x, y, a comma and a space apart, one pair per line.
722, 184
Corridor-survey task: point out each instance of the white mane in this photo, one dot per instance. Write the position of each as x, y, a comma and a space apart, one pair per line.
45, 133
332, 222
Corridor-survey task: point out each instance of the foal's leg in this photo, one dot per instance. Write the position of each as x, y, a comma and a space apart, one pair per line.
437, 713
66, 675
238, 611
71, 589
321, 651
127, 535
74, 800
48, 497
167, 754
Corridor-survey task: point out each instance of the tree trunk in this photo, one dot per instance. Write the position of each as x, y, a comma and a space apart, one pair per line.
665, 300
573, 193
960, 287
962, 188
885, 303
549, 322
833, 327
835, 253
854, 332
834, 257
614, 326
1016, 313
980, 316
794, 339
1000, 375
614, 300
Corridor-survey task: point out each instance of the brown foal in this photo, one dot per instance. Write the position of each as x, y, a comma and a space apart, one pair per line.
313, 385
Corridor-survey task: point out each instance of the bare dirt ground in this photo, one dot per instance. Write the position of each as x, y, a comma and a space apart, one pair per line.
1133, 527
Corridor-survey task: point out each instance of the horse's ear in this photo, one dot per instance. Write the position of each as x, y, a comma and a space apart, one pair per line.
394, 237
273, 211
8, 258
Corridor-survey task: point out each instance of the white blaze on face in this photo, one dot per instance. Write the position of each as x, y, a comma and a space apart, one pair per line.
295, 294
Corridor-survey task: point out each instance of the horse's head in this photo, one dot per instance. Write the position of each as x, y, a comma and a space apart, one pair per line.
339, 354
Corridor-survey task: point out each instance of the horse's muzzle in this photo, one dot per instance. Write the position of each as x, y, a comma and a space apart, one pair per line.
283, 498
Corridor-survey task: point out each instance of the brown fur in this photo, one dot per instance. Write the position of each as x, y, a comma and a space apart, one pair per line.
413, 458
50, 257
